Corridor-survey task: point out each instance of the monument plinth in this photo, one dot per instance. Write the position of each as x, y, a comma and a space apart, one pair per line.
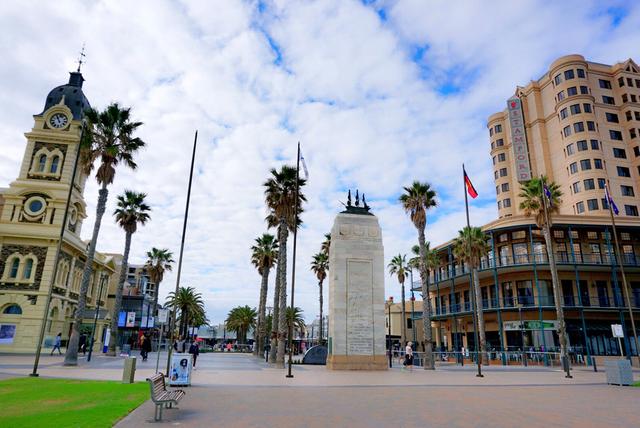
356, 293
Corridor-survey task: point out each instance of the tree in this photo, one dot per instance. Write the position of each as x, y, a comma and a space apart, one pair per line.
263, 256
190, 305
294, 315
326, 244
470, 246
109, 138
399, 267
280, 198
240, 319
131, 211
158, 262
320, 266
416, 201
532, 194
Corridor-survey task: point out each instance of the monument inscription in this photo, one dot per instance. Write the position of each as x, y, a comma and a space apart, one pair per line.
360, 336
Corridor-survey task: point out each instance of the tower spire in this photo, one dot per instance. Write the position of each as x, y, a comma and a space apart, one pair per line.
81, 58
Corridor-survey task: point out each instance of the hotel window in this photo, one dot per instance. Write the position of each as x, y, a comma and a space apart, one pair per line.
625, 98
636, 114
628, 116
634, 99
625, 236
608, 100
558, 79
581, 73
615, 135
499, 142
499, 205
589, 184
585, 164
619, 153
591, 126
570, 149
569, 75
621, 81
560, 95
584, 90
637, 83
582, 145
558, 234
494, 160
572, 91
566, 131
42, 162
587, 108
503, 238
497, 190
632, 133
595, 145
498, 128
490, 132
15, 264
580, 207
574, 234
495, 174
601, 183
28, 269
631, 210
597, 163
612, 117
636, 151
504, 187
623, 171
502, 157
573, 168
592, 204
575, 109
604, 84
503, 172
520, 234
630, 82
627, 190
576, 187
563, 113
605, 204
54, 164
506, 203
493, 146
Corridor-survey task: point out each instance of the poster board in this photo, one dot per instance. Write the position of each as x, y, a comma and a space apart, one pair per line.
180, 370
131, 319
617, 331
7, 333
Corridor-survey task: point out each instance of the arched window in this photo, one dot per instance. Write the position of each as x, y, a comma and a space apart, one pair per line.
54, 164
15, 264
12, 310
28, 268
42, 163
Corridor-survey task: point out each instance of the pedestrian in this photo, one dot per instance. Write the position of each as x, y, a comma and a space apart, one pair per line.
57, 343
408, 357
229, 346
82, 344
145, 347
194, 350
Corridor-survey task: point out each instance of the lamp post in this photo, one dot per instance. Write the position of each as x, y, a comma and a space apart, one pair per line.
95, 319
524, 355
389, 303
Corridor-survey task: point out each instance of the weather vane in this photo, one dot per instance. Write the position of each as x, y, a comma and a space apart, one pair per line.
81, 58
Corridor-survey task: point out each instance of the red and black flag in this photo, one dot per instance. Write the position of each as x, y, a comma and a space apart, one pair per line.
470, 189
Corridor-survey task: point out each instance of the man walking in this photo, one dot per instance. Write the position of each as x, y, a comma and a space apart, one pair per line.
57, 343
194, 350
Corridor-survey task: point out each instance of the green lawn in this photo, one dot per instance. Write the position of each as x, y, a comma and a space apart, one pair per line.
37, 402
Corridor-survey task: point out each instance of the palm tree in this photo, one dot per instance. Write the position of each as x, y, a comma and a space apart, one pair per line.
158, 262
399, 267
470, 246
190, 305
263, 257
280, 197
416, 201
431, 261
326, 244
131, 211
109, 138
320, 266
295, 315
240, 319
532, 195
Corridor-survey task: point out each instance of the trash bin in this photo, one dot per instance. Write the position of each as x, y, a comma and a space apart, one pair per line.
618, 372
129, 373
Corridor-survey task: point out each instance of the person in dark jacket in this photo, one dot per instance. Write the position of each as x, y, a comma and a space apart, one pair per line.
194, 350
82, 344
145, 347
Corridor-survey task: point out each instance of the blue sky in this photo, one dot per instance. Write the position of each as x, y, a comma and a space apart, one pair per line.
379, 93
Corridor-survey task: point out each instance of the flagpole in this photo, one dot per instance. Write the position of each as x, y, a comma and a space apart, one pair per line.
624, 278
184, 231
293, 271
476, 323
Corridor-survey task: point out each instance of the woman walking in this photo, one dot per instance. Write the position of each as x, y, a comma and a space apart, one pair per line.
408, 357
57, 343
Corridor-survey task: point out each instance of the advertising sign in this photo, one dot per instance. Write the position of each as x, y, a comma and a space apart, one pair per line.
131, 319
163, 314
180, 369
122, 318
616, 329
518, 139
107, 338
530, 325
7, 333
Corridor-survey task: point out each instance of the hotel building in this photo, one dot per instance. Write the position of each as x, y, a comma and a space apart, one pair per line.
579, 125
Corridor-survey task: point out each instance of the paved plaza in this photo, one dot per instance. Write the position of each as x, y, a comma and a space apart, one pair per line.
240, 390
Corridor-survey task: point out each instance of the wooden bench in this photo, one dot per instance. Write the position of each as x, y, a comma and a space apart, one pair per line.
161, 396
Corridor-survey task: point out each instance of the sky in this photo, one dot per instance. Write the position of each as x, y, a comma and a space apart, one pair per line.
379, 93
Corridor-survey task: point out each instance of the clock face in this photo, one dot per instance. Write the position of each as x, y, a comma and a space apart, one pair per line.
58, 120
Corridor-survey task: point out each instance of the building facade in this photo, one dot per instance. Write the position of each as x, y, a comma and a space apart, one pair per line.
578, 125
31, 216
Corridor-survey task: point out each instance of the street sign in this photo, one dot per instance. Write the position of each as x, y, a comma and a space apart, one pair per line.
162, 316
617, 330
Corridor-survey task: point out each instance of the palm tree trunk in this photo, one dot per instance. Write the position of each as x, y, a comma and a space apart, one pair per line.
403, 331
274, 320
557, 292
429, 363
321, 323
154, 311
283, 233
482, 338
118, 302
71, 356
262, 308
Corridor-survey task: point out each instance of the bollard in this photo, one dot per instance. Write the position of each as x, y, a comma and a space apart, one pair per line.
593, 362
129, 373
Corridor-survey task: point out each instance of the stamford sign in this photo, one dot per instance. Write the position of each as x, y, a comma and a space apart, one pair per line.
518, 139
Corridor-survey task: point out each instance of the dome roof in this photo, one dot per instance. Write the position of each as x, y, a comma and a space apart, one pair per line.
74, 98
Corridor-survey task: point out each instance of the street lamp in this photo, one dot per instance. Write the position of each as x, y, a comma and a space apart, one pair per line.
524, 355
95, 319
389, 303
